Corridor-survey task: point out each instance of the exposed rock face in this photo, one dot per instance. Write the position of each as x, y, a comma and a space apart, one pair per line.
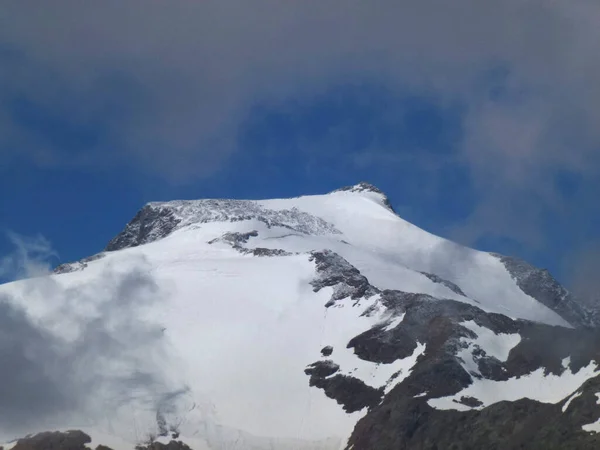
334, 271
172, 445
78, 265
367, 187
404, 419
327, 350
449, 284
237, 241
322, 369
541, 285
69, 440
350, 392
149, 224
77, 440
157, 220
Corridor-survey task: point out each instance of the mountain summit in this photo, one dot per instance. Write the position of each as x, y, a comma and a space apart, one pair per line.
319, 322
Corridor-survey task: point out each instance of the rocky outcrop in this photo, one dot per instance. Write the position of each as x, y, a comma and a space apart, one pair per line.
404, 419
157, 220
402, 416
55, 440
172, 445
367, 187
78, 440
334, 271
237, 240
541, 285
449, 284
77, 265
151, 223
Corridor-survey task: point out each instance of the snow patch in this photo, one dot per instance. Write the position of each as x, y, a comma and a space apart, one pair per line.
405, 367
394, 322
535, 386
571, 398
595, 426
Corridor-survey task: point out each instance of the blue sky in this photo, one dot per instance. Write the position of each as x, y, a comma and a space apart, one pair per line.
473, 135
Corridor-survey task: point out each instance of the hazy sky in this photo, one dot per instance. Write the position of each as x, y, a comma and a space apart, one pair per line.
478, 118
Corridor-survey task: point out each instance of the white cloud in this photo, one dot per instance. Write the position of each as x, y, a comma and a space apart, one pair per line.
168, 83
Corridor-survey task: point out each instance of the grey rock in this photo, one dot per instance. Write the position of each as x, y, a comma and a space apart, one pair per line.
353, 394
157, 220
327, 350
237, 241
322, 369
449, 284
363, 186
151, 223
77, 265
334, 271
54, 440
172, 445
470, 401
235, 238
541, 285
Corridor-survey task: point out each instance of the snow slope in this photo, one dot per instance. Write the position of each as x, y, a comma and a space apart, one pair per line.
226, 335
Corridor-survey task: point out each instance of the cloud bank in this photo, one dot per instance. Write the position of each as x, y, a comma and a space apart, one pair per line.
77, 355
163, 87
172, 80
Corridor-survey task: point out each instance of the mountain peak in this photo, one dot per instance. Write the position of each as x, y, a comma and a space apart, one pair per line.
364, 186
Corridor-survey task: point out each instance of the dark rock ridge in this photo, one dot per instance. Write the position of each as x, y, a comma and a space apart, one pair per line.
157, 220
322, 369
77, 440
541, 285
172, 445
363, 186
69, 440
349, 392
237, 241
449, 284
334, 271
403, 419
151, 223
77, 265
327, 350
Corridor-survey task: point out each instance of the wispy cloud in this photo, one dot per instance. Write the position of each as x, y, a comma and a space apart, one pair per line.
164, 87
77, 354
172, 81
31, 257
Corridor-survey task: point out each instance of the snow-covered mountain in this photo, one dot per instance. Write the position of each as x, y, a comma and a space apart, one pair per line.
319, 322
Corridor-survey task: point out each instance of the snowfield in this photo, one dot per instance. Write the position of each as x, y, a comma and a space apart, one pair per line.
217, 340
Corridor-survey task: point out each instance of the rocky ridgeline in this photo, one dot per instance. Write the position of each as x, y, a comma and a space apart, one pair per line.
78, 440
403, 418
541, 285
157, 220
